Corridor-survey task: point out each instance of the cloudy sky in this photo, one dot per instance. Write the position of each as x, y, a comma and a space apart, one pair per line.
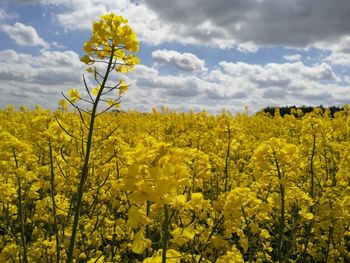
195, 54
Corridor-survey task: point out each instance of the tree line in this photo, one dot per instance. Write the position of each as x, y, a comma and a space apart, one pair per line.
287, 110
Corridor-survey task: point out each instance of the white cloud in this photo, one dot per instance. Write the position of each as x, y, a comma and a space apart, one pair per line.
274, 93
28, 79
230, 85
57, 45
247, 47
85, 12
285, 84
294, 57
24, 35
339, 51
148, 25
339, 58
244, 25
274, 74
341, 45
236, 85
182, 61
144, 21
292, 23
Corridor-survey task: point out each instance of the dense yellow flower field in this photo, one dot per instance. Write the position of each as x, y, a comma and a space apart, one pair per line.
203, 188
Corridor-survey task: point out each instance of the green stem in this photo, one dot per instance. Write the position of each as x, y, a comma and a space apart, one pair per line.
227, 157
330, 233
53, 192
21, 213
148, 211
193, 181
312, 194
282, 215
312, 167
85, 169
165, 233
215, 227
249, 235
114, 238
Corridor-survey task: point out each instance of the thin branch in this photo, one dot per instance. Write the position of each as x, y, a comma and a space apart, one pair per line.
82, 141
87, 88
209, 237
53, 193
249, 234
75, 106
82, 119
108, 160
65, 160
108, 135
108, 108
104, 126
112, 87
21, 212
95, 77
87, 101
114, 65
68, 133
110, 90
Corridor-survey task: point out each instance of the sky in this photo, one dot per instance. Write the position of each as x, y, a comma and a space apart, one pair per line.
195, 54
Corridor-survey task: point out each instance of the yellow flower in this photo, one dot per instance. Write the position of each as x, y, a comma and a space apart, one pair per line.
74, 95
140, 243
254, 227
122, 69
82, 256
97, 260
306, 215
95, 90
264, 234
123, 87
111, 31
173, 256
136, 218
179, 201
87, 60
182, 235
63, 104
233, 256
111, 102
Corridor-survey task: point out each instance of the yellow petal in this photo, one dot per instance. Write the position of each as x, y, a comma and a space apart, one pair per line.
140, 243
94, 91
264, 234
74, 95
87, 60
122, 69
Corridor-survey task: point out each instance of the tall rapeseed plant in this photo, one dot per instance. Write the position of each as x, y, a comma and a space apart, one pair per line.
113, 44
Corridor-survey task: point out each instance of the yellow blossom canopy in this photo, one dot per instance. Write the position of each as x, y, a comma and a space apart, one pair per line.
112, 36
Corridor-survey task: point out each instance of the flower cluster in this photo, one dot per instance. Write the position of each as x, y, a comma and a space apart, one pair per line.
166, 182
112, 37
